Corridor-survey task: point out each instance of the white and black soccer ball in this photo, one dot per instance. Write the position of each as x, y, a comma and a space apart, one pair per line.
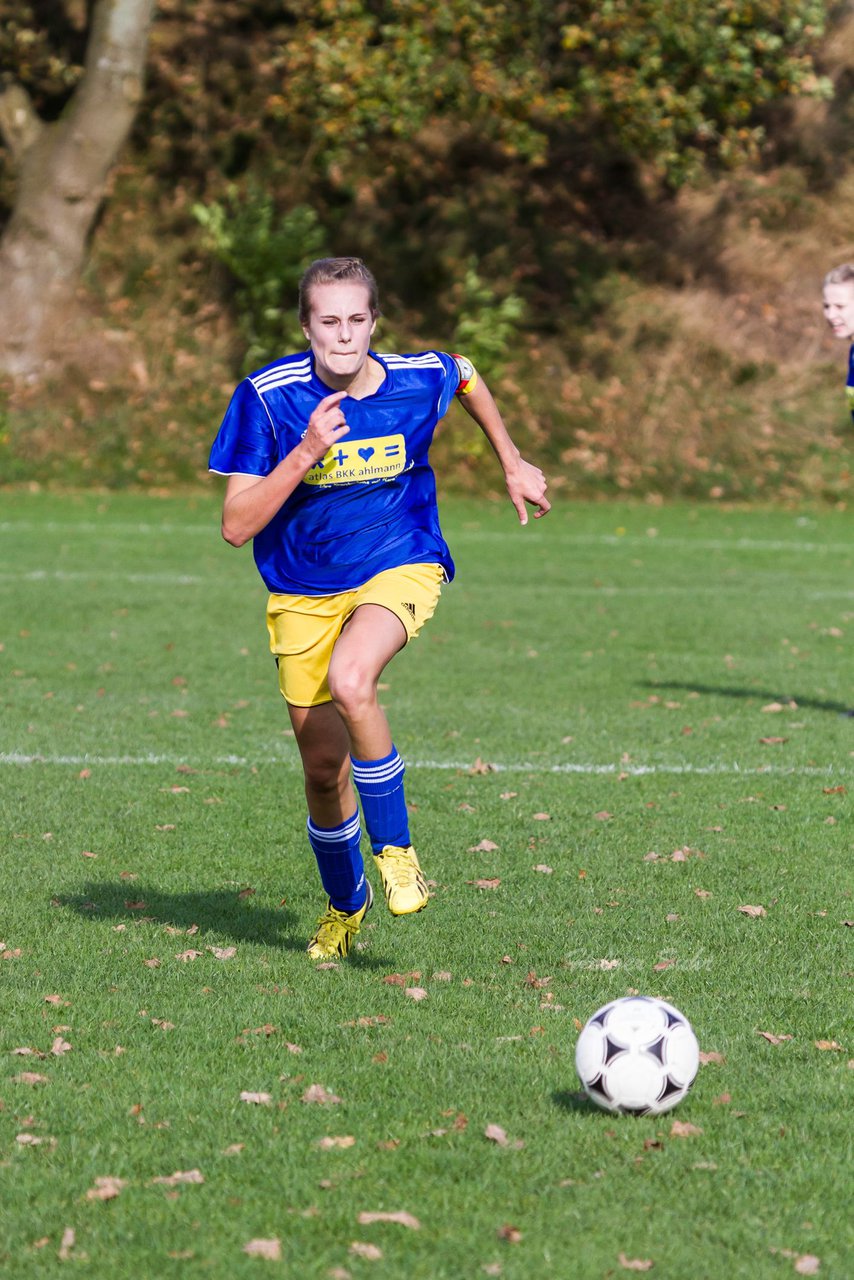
637, 1055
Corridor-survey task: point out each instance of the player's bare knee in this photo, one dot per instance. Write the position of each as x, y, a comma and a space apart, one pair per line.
352, 692
323, 774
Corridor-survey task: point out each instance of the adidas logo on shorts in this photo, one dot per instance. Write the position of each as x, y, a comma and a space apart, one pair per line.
410, 609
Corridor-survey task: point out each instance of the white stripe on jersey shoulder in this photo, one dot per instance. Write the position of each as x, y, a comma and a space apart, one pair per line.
282, 374
425, 360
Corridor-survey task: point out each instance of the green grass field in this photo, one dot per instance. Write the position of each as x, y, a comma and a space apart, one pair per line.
612, 683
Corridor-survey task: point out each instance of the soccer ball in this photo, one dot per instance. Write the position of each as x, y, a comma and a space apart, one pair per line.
637, 1055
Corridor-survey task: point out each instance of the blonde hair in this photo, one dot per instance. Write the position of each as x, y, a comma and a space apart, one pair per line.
332, 271
843, 274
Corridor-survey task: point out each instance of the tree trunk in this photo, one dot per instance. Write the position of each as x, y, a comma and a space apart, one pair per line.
62, 172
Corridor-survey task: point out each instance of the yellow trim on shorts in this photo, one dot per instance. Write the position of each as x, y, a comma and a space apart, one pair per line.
303, 630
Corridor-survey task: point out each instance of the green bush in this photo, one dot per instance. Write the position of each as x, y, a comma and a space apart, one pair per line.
487, 327
265, 253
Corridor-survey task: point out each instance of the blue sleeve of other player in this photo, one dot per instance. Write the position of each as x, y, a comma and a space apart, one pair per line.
246, 442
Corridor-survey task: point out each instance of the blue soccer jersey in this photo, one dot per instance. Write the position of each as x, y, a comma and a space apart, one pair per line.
849, 388
370, 503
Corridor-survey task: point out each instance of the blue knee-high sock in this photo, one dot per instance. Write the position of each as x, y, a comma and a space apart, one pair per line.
339, 860
380, 787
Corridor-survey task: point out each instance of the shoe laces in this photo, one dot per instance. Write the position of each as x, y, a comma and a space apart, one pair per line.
332, 917
404, 871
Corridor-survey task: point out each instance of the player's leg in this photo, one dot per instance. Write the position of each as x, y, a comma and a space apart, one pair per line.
371, 638
334, 830
303, 631
369, 641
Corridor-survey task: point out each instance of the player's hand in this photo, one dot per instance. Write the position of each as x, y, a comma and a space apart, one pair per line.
527, 484
326, 426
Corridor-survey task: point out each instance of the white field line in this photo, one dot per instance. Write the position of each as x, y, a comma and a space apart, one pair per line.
104, 575
87, 760
685, 544
771, 545
198, 580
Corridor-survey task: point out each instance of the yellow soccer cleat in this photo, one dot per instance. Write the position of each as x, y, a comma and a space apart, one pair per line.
403, 880
336, 930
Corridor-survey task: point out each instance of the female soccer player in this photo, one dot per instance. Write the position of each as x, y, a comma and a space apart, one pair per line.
326, 454
838, 298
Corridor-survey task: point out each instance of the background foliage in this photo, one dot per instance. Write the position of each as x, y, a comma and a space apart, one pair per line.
566, 189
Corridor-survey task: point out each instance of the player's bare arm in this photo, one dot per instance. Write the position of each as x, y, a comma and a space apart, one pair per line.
525, 482
252, 501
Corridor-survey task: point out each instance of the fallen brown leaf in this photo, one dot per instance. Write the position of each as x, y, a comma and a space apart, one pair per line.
753, 912
634, 1264
416, 993
771, 1038
370, 1252
332, 1143
828, 1044
270, 1249
509, 1233
106, 1188
259, 1099
496, 1134
30, 1077
179, 1178
400, 1216
317, 1093
711, 1057
485, 884
684, 1129
485, 846
401, 979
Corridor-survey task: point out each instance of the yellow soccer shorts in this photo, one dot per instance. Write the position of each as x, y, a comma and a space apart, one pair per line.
303, 629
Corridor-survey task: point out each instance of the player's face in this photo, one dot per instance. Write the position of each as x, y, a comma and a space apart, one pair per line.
839, 309
339, 330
